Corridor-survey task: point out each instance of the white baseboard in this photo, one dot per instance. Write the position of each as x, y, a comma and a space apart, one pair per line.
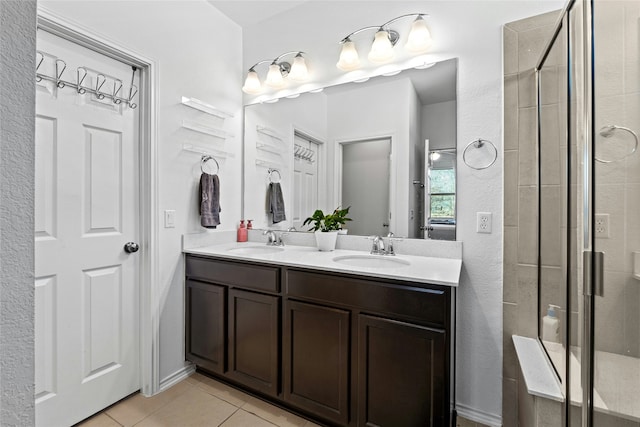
176, 377
479, 416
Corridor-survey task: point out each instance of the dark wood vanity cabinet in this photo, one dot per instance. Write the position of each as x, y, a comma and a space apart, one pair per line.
254, 344
343, 349
401, 373
317, 359
205, 321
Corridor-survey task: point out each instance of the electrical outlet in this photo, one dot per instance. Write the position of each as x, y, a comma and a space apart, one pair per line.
483, 222
602, 226
169, 219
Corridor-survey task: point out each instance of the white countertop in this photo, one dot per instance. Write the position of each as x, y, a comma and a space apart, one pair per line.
422, 269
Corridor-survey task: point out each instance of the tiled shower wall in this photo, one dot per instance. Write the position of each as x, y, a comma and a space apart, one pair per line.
617, 102
524, 42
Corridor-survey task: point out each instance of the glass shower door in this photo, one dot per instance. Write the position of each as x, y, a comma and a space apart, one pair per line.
614, 217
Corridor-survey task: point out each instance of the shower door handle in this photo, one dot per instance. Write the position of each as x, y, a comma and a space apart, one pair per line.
593, 262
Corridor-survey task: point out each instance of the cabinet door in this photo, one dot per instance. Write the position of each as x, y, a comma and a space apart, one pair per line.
401, 374
316, 360
205, 325
253, 340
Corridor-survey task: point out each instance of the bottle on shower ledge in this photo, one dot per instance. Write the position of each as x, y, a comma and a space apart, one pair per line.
242, 232
551, 325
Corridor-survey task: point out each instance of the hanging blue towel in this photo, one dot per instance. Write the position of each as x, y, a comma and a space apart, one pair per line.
209, 200
276, 202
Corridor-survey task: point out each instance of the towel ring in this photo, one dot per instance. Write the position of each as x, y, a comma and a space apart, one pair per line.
204, 160
479, 143
270, 171
608, 131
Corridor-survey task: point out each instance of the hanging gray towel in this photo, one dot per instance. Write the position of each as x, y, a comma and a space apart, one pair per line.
276, 202
209, 200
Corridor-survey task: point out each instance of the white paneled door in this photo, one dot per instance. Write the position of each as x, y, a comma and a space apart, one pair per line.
87, 185
305, 182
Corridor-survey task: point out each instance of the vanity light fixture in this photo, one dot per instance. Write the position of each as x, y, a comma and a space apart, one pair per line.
418, 41
278, 71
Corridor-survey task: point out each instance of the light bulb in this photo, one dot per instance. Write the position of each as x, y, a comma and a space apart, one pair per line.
419, 39
349, 59
381, 49
274, 77
252, 84
299, 71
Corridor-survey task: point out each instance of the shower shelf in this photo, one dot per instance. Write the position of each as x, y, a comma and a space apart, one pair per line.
207, 130
205, 107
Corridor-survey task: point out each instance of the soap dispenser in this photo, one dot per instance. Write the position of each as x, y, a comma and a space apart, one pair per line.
242, 232
551, 325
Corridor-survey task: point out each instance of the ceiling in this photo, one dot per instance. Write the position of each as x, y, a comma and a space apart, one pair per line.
249, 12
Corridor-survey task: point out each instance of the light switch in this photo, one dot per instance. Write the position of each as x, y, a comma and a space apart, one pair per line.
169, 219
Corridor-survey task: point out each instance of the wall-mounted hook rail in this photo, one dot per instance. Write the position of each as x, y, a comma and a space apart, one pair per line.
81, 75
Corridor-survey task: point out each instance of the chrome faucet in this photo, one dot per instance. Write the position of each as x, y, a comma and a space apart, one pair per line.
272, 238
390, 244
379, 247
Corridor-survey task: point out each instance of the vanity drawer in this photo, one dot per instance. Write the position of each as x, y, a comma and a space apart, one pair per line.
428, 305
248, 276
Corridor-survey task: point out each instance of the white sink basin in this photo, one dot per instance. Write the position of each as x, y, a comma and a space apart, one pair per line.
255, 250
371, 261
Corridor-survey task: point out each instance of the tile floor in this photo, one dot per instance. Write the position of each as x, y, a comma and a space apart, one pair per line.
201, 401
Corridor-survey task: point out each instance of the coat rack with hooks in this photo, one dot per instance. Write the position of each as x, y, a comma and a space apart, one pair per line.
81, 74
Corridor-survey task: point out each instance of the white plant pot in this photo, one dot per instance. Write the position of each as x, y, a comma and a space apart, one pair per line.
326, 240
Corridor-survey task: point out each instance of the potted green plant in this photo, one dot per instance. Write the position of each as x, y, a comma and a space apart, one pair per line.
326, 227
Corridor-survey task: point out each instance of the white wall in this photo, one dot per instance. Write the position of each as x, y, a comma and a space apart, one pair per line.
17, 128
439, 124
471, 31
198, 51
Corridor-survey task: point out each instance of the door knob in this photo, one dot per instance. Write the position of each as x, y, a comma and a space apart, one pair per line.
131, 247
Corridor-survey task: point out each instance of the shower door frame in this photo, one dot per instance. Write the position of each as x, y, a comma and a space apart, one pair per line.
591, 264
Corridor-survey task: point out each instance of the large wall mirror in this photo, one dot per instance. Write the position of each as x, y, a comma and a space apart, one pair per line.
385, 147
